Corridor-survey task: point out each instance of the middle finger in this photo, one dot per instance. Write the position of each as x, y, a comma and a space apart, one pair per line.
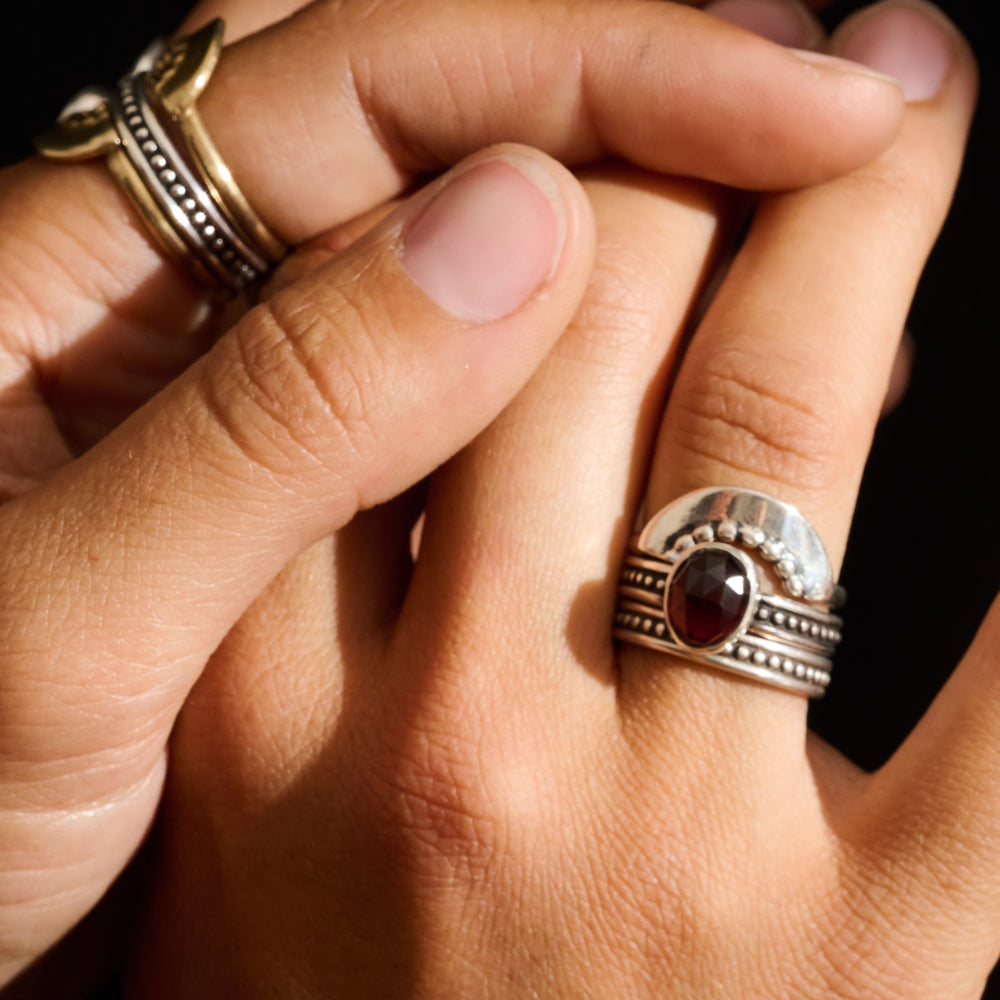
525, 524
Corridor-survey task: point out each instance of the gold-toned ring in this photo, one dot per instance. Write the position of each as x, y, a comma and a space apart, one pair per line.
161, 155
178, 80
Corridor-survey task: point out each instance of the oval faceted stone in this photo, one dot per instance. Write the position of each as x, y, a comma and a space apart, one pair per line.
708, 597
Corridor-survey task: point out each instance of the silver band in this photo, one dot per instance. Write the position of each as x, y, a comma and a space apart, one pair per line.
182, 197
786, 643
160, 153
736, 580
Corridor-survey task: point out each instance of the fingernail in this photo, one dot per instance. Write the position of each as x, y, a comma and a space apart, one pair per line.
489, 240
902, 40
787, 23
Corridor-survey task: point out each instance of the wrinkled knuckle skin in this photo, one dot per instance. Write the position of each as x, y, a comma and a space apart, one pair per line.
905, 200
435, 797
443, 779
298, 381
735, 414
620, 321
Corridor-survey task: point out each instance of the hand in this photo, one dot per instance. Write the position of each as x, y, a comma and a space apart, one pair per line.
371, 118
124, 568
446, 782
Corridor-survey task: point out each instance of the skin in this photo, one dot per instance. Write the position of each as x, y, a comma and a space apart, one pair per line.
94, 322
378, 808
368, 793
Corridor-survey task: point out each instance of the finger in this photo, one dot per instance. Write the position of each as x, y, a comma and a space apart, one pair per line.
625, 112
372, 117
786, 22
521, 526
369, 116
783, 382
928, 826
340, 392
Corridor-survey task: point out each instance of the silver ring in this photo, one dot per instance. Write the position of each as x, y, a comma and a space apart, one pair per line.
737, 580
159, 152
183, 199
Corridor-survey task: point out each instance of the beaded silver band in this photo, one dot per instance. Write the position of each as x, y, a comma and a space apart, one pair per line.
160, 153
787, 643
181, 196
177, 76
752, 597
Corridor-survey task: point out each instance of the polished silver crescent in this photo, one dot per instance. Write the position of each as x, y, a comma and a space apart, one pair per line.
774, 521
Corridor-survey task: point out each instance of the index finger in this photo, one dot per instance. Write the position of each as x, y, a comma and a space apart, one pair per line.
382, 95
338, 108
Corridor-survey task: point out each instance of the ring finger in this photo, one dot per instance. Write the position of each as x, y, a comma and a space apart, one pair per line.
781, 393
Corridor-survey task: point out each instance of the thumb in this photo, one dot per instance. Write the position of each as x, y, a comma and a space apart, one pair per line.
124, 571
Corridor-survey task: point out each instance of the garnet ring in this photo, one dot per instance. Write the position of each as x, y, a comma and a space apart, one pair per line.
736, 580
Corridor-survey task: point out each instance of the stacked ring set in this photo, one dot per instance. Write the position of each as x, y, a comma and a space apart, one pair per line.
737, 580
159, 151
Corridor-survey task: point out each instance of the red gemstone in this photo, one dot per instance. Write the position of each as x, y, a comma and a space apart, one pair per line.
708, 597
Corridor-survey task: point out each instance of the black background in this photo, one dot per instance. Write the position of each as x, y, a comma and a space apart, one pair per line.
924, 558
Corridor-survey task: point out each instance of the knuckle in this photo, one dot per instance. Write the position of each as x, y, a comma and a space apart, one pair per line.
736, 415
904, 197
435, 785
298, 382
454, 786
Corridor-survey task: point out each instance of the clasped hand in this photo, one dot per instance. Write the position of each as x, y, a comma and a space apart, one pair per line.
439, 777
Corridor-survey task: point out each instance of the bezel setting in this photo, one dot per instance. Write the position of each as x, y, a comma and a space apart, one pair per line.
748, 573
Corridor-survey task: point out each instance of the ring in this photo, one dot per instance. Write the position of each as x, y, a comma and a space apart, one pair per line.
737, 580
161, 155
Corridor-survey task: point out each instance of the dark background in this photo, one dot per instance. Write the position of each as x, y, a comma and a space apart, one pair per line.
924, 559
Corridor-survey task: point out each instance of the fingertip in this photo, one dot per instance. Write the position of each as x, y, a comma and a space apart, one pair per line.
911, 41
818, 116
868, 108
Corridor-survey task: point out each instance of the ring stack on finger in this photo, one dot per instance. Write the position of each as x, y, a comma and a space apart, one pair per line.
736, 580
160, 153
